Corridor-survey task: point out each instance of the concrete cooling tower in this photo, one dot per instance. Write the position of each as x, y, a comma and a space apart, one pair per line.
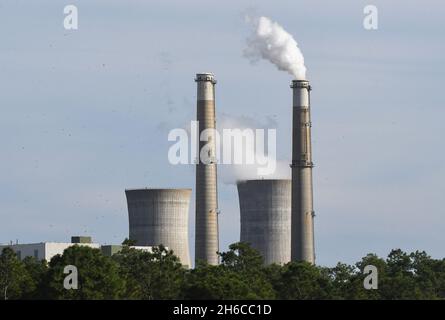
160, 216
265, 207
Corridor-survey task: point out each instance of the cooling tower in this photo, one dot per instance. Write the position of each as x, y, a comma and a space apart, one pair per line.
160, 216
265, 207
302, 203
206, 230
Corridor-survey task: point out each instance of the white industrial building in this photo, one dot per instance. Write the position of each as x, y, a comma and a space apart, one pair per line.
44, 250
47, 250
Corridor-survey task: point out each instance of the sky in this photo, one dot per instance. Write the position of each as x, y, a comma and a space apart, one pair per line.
85, 114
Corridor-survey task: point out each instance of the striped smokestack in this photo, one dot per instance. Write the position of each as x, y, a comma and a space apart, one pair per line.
302, 203
206, 231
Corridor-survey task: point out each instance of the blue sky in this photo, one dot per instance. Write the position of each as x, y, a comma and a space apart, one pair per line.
86, 113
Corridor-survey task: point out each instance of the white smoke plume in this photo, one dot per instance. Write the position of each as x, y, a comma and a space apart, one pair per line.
231, 174
271, 42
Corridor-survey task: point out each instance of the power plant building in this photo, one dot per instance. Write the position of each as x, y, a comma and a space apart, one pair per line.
160, 216
265, 208
47, 250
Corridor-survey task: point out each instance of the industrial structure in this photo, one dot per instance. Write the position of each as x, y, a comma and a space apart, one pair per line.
276, 215
160, 216
302, 198
206, 205
111, 249
265, 207
47, 250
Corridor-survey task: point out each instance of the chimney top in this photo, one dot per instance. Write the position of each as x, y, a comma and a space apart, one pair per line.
205, 76
301, 84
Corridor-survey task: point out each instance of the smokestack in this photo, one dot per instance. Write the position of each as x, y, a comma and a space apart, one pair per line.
160, 216
206, 231
302, 199
265, 207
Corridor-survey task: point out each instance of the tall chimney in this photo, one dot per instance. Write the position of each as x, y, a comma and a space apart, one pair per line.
302, 235
206, 231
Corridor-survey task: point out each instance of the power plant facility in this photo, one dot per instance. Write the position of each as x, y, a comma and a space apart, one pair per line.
160, 216
206, 205
276, 215
265, 209
178, 158
272, 174
302, 198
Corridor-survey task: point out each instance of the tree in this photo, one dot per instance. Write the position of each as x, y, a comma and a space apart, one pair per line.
37, 273
128, 242
241, 257
304, 281
150, 275
341, 277
427, 277
273, 276
98, 276
247, 262
357, 289
399, 282
207, 282
14, 278
434, 272
137, 274
241, 275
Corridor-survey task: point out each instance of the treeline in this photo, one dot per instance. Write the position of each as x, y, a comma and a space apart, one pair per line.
135, 274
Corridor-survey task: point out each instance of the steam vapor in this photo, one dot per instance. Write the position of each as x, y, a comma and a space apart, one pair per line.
231, 174
271, 42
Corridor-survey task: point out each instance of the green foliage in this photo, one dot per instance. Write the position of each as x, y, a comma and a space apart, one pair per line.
303, 281
136, 274
214, 283
98, 275
240, 275
341, 278
128, 242
241, 257
245, 261
150, 275
14, 278
357, 290
36, 271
